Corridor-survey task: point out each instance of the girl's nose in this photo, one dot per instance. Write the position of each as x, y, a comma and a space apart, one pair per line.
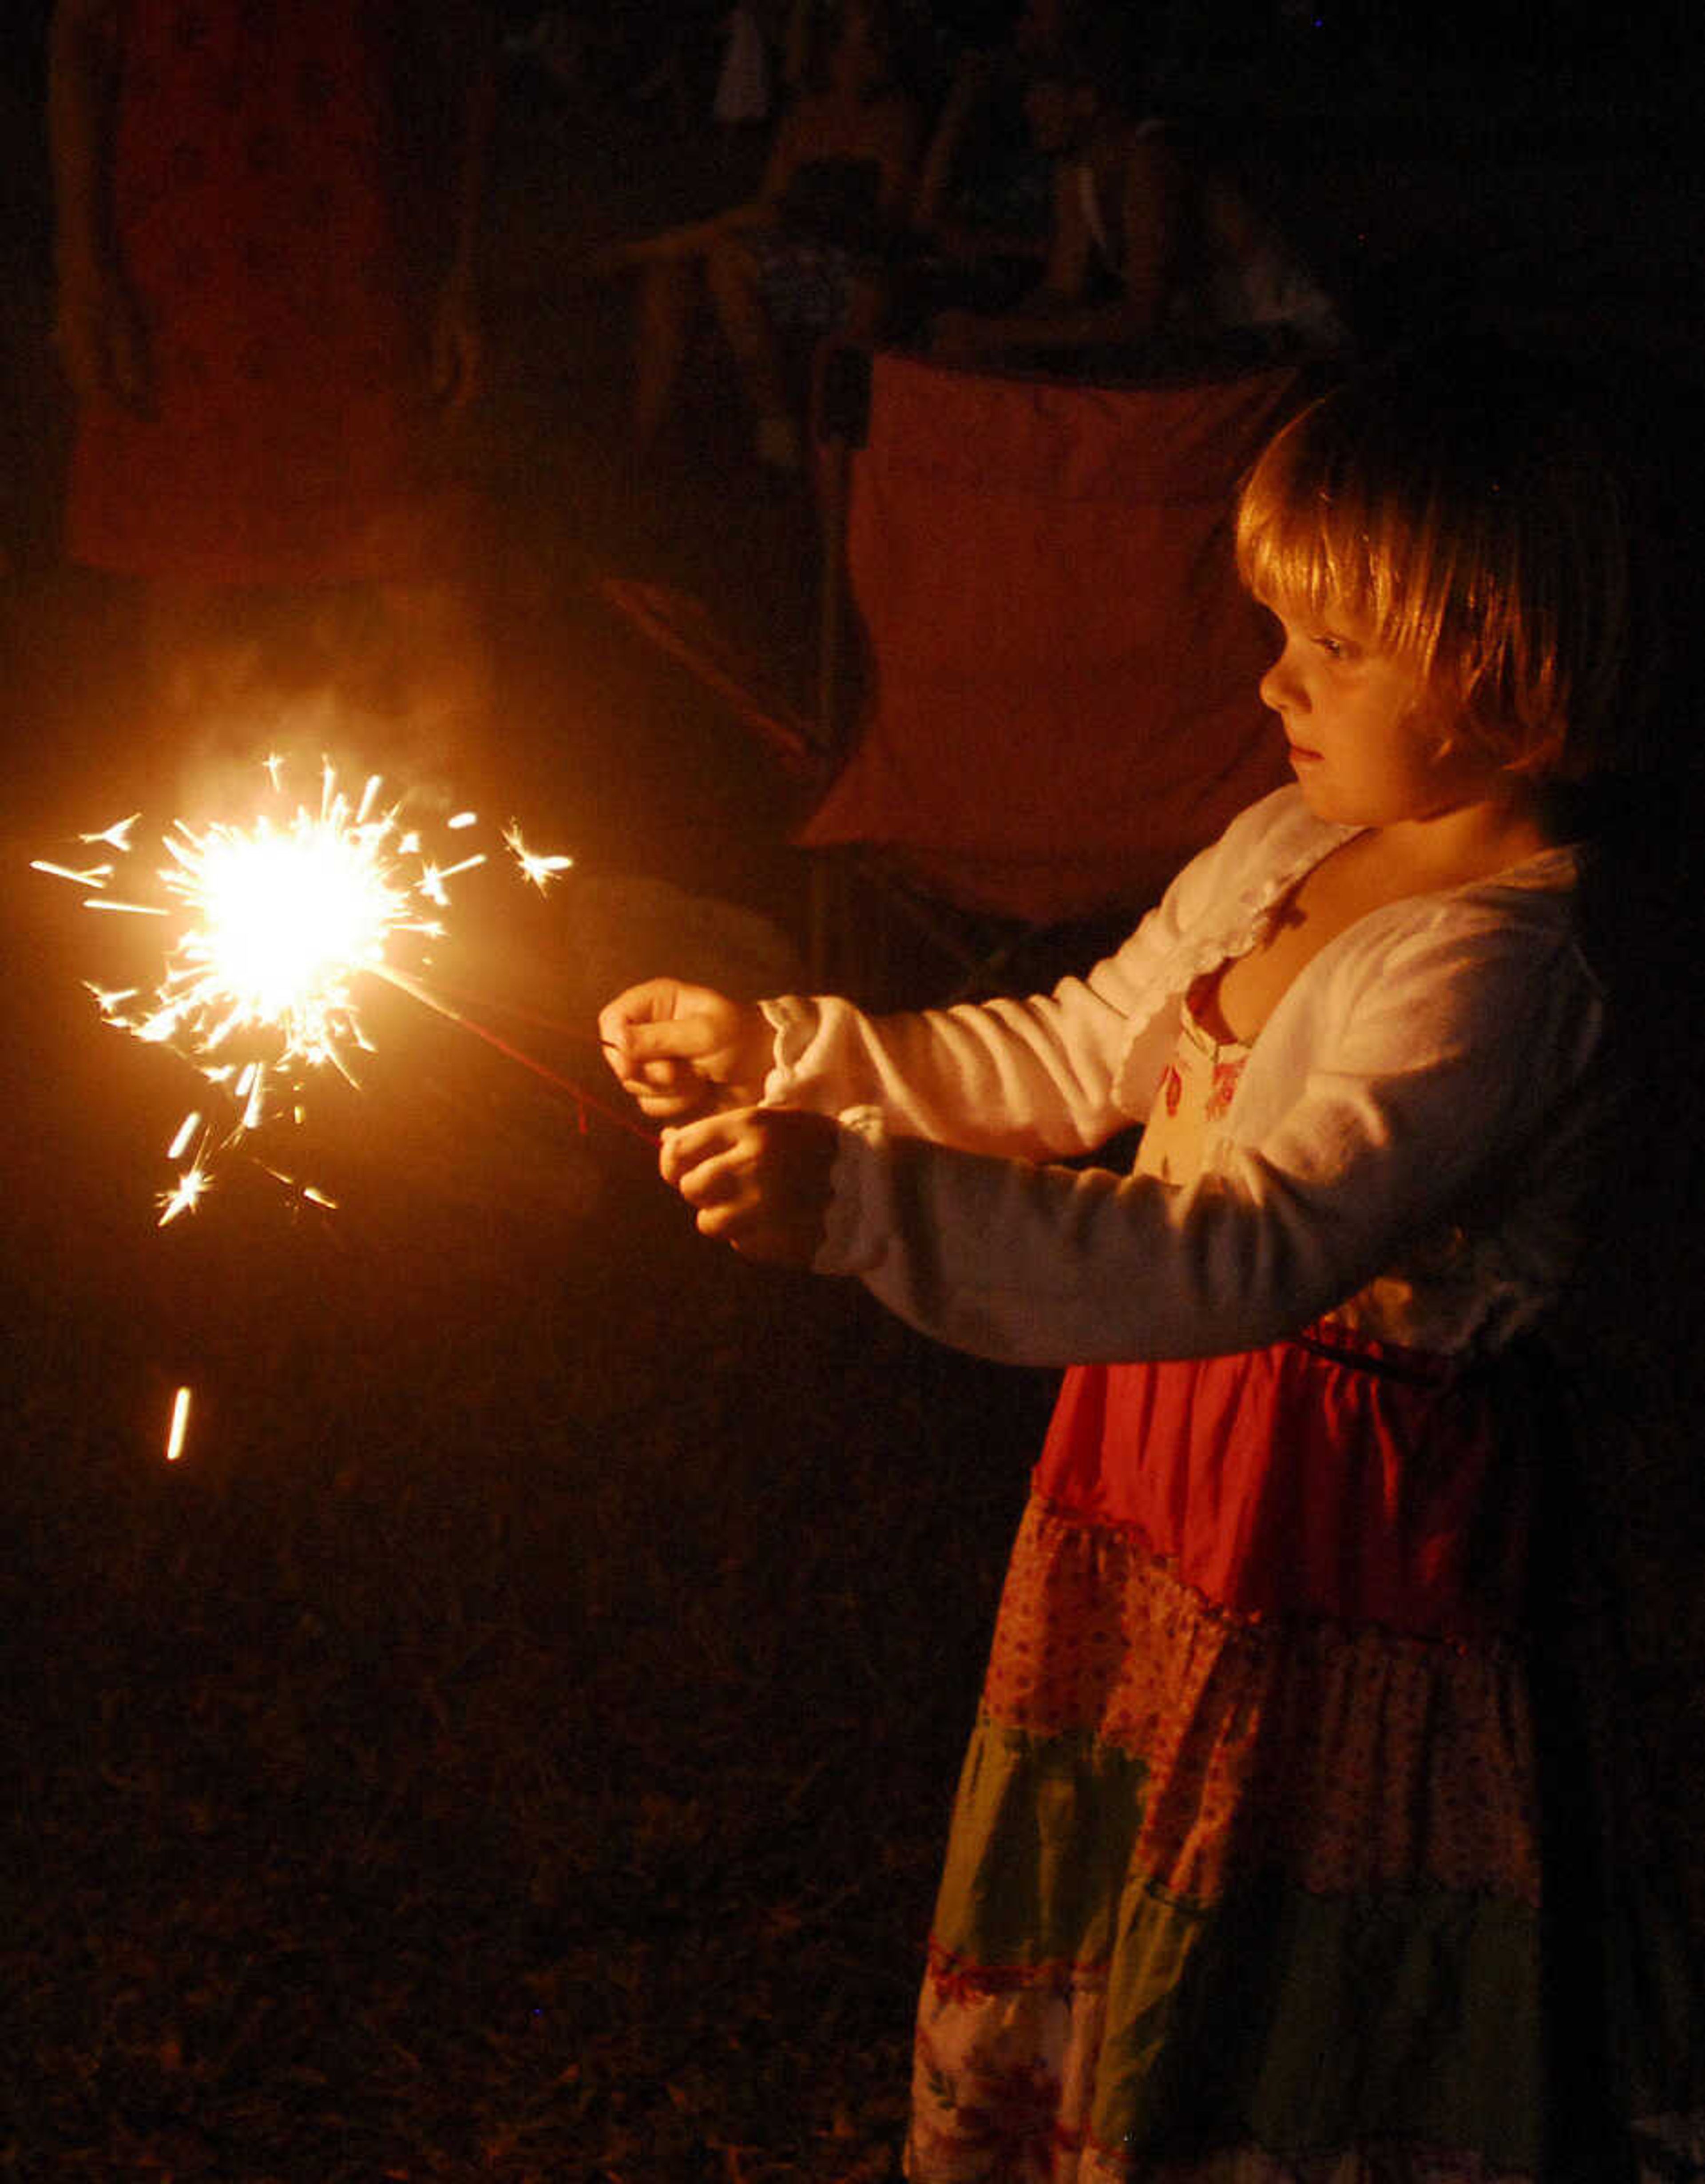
1279, 688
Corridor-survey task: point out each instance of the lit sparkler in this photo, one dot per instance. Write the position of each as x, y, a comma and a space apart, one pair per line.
271, 925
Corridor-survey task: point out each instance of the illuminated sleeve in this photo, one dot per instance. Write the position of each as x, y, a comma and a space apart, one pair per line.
1059, 1073
1415, 1080
1028, 1078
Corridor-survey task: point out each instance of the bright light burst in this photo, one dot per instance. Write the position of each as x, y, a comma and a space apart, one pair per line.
271, 924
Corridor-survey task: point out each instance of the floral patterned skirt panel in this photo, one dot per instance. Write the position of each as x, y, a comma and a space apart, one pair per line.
1243, 1883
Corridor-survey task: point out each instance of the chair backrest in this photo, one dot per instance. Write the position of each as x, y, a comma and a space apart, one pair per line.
1059, 705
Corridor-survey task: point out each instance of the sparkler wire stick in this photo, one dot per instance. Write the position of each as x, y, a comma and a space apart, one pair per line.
521, 1014
413, 988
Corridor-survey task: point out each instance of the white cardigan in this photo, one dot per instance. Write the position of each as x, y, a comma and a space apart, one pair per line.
1406, 1144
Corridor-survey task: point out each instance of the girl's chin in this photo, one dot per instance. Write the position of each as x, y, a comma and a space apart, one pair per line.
1318, 795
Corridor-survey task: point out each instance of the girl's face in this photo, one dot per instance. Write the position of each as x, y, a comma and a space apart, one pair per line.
1370, 745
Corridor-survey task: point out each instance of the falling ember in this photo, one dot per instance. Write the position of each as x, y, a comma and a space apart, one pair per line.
179, 1426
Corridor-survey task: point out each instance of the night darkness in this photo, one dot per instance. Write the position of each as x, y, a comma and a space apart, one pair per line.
516, 1741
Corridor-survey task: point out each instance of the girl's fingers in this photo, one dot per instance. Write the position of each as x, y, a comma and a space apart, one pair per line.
715, 1163
677, 1039
661, 1077
685, 1149
754, 1179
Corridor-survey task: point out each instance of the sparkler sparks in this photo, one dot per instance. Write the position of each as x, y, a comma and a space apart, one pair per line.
192, 1187
179, 1426
541, 871
271, 925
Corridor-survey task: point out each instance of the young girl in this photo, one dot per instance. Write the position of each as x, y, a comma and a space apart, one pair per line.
1248, 1873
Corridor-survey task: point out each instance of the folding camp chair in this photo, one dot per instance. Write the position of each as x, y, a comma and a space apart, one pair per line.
1038, 695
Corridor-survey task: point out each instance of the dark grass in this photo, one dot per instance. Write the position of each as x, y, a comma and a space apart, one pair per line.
515, 1740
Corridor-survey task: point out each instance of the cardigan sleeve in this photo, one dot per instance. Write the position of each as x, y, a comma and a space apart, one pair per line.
1441, 1062
1027, 1079
1024, 1078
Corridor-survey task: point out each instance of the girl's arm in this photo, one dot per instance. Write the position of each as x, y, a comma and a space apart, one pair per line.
1443, 1070
1030, 1079
1027, 1078
1060, 1073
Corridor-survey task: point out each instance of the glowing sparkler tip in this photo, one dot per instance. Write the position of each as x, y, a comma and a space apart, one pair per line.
273, 923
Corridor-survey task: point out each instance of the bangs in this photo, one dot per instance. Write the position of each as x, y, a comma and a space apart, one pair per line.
1480, 543
1314, 535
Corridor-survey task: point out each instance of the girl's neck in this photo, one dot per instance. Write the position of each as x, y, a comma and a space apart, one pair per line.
1470, 842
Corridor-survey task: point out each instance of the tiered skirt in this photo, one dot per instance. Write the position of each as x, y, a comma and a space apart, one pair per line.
1244, 1879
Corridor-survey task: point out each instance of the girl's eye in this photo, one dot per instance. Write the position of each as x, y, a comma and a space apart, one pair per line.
1334, 647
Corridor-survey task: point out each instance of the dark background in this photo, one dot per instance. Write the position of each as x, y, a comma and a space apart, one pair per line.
516, 1741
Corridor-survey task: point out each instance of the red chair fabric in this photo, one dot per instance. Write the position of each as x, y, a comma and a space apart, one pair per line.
1062, 706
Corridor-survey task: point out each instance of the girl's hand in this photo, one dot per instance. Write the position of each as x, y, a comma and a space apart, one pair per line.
683, 1050
758, 1178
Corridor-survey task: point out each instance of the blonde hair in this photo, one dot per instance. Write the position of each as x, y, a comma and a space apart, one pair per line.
1477, 532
